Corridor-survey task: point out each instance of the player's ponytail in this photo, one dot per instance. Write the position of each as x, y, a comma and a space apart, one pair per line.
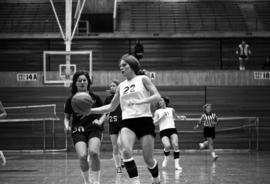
166, 100
133, 63
141, 72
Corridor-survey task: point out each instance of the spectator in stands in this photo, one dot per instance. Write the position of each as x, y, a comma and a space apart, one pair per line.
3, 114
86, 130
266, 65
209, 121
243, 52
138, 50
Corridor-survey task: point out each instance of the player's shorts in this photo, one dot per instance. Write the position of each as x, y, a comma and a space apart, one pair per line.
167, 132
78, 136
140, 126
114, 127
209, 132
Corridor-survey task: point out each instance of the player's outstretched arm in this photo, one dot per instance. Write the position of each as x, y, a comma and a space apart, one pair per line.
175, 116
101, 120
156, 118
4, 161
216, 119
199, 123
108, 108
3, 113
66, 122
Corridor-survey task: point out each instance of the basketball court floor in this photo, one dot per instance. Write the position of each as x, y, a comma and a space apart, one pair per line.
198, 167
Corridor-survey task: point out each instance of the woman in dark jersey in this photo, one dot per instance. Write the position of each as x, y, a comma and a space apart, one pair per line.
114, 119
86, 130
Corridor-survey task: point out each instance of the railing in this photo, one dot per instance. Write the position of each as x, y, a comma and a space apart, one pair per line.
114, 14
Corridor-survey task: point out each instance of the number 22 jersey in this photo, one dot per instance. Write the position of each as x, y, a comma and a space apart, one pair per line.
134, 90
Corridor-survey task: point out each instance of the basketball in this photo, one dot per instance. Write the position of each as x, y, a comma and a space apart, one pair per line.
81, 102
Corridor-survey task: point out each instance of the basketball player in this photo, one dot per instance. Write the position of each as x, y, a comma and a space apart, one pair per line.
135, 94
3, 114
209, 121
164, 117
115, 118
86, 130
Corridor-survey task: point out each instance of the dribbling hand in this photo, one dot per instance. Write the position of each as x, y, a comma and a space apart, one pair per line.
83, 115
97, 122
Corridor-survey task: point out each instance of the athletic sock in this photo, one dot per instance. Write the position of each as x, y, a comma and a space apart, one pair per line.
96, 177
135, 180
154, 170
166, 153
131, 167
176, 154
85, 175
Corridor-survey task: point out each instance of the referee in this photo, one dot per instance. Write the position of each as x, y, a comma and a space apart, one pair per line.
209, 121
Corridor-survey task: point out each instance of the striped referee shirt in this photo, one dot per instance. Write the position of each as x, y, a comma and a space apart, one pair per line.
208, 120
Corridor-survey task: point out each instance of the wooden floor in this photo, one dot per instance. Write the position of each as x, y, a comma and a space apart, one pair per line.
62, 168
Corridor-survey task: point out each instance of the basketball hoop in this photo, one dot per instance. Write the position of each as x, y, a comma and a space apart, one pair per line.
66, 80
67, 83
67, 74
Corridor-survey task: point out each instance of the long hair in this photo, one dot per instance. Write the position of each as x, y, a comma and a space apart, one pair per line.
116, 82
133, 63
166, 100
74, 89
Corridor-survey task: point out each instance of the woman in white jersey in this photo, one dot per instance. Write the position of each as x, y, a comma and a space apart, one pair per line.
135, 94
164, 117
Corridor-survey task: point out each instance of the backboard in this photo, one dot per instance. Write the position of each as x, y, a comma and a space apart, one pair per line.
59, 66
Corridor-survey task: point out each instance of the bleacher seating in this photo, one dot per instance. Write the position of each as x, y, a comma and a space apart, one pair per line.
179, 16
30, 17
160, 54
148, 16
262, 10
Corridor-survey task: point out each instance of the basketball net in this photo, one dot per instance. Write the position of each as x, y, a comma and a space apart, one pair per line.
67, 81
68, 76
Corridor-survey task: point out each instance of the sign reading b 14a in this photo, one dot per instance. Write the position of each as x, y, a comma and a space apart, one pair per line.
27, 76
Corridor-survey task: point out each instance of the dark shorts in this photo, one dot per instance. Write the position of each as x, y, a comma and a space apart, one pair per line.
140, 126
209, 132
114, 127
79, 136
168, 132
